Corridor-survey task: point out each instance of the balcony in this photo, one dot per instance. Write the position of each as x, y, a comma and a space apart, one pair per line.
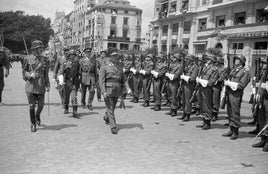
138, 40
118, 39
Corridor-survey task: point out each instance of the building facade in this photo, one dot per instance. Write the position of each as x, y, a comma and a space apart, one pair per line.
235, 26
116, 24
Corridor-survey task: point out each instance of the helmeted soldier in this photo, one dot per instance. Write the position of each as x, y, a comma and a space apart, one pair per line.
217, 87
238, 80
60, 60
188, 83
4, 70
112, 85
208, 77
174, 81
147, 78
70, 71
158, 74
127, 64
88, 74
35, 73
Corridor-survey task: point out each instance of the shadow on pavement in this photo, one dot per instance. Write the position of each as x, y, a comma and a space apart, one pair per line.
56, 127
26, 104
87, 114
129, 126
128, 107
243, 134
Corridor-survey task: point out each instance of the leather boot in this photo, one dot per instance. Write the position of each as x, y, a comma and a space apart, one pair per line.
66, 109
174, 114
198, 112
136, 100
201, 125
265, 148
207, 125
194, 110
235, 133
215, 116
146, 104
255, 131
229, 133
75, 115
38, 120
166, 104
32, 118
183, 116
157, 108
261, 143
187, 118
132, 100
89, 106
170, 112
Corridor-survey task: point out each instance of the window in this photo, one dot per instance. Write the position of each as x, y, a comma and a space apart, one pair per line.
112, 45
126, 12
238, 46
240, 18
184, 6
113, 32
202, 24
216, 1
164, 48
113, 20
125, 21
175, 28
260, 45
165, 30
156, 31
200, 49
138, 22
125, 33
220, 21
173, 7
124, 46
201, 2
262, 16
187, 26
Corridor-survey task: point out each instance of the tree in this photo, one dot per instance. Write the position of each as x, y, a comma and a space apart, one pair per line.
16, 25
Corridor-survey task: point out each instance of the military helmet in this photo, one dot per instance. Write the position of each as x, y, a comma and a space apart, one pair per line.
87, 49
37, 44
190, 57
241, 57
177, 56
220, 60
212, 58
150, 55
71, 52
160, 56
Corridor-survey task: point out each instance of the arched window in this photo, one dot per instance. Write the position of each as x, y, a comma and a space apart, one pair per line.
218, 45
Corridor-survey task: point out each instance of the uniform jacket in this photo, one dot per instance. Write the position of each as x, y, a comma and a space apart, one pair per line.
221, 76
40, 66
161, 68
70, 71
147, 67
241, 76
88, 71
192, 72
176, 69
112, 80
59, 62
4, 63
210, 73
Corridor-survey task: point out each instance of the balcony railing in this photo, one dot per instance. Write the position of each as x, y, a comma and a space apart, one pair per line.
115, 38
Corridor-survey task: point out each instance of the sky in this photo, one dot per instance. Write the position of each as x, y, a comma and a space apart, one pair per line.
47, 8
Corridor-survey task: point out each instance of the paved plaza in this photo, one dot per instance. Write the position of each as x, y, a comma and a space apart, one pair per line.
148, 142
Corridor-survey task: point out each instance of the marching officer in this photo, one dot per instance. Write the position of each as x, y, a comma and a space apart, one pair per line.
174, 82
35, 73
158, 74
147, 79
112, 85
208, 77
188, 83
99, 62
60, 60
88, 74
217, 87
127, 64
239, 79
70, 73
137, 79
4, 71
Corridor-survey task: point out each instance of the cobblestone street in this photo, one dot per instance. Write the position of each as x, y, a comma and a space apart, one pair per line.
148, 142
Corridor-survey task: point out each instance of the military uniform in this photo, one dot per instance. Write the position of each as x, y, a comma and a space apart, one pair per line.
99, 62
70, 71
137, 80
240, 76
88, 74
35, 73
112, 85
160, 69
59, 62
4, 71
126, 69
188, 83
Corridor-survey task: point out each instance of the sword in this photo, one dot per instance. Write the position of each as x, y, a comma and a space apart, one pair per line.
48, 109
259, 133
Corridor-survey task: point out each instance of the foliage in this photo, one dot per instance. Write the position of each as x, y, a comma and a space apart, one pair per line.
15, 25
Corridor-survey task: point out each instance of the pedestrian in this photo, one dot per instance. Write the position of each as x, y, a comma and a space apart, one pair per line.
69, 71
88, 75
208, 77
238, 80
35, 73
188, 83
112, 85
174, 81
4, 71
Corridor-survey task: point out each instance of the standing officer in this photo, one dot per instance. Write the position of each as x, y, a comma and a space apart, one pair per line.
70, 73
239, 79
208, 77
158, 74
35, 73
217, 88
60, 60
188, 83
4, 71
88, 74
137, 78
147, 79
174, 82
99, 62
112, 85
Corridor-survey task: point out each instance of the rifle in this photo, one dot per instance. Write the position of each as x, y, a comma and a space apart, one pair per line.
197, 86
164, 87
256, 79
151, 76
226, 88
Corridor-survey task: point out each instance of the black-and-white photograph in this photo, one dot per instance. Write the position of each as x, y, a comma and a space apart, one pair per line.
134, 86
